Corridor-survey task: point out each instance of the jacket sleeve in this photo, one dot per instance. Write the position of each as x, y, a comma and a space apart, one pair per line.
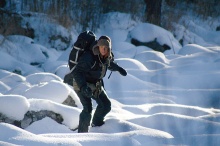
113, 66
84, 65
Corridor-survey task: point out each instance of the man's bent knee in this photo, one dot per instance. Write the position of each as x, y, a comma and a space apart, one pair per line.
87, 110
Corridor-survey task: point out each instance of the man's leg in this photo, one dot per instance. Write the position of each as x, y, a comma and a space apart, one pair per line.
103, 108
85, 115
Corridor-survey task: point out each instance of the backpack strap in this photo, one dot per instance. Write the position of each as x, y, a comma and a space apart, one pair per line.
77, 48
77, 54
76, 58
93, 65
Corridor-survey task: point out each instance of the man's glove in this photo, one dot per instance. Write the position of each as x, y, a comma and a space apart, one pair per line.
115, 67
122, 71
86, 91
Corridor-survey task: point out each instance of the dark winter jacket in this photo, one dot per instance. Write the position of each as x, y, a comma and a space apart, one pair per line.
88, 69
91, 68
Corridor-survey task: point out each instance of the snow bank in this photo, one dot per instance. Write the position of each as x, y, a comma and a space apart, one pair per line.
69, 114
14, 106
146, 32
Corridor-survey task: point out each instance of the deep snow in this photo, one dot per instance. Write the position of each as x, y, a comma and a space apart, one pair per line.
166, 98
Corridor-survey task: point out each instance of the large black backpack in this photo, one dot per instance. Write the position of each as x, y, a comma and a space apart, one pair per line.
82, 44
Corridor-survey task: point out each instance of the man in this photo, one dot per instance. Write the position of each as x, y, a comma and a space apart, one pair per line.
88, 82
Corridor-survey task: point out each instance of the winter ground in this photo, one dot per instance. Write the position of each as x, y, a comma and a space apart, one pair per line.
166, 98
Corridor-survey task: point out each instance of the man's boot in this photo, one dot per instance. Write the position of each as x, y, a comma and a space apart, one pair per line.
84, 122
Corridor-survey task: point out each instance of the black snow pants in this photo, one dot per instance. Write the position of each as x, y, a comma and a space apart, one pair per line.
102, 109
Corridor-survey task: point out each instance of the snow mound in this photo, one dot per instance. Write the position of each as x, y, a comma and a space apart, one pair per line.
151, 55
193, 48
65, 111
14, 106
141, 33
129, 63
37, 78
59, 91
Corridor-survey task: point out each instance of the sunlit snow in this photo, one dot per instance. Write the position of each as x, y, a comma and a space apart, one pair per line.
166, 98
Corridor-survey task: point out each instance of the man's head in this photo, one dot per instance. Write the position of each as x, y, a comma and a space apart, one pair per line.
104, 46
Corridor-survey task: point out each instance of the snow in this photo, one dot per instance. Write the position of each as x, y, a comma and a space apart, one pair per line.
141, 33
65, 111
193, 48
23, 49
47, 125
14, 106
166, 98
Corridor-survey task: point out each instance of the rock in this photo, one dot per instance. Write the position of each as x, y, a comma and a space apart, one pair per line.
153, 45
69, 101
31, 117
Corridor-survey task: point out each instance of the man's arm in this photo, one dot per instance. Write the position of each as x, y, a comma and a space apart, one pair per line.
115, 67
84, 65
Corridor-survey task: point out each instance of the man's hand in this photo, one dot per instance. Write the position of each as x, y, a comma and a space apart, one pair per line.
122, 71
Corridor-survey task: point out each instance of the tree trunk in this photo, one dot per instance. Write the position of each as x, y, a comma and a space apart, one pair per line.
153, 11
2, 3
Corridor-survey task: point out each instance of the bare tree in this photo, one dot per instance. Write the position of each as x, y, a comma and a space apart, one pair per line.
2, 3
153, 11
